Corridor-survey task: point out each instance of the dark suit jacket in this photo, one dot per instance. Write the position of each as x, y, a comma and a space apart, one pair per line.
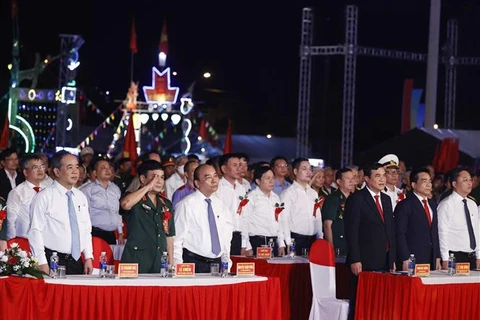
367, 235
413, 233
5, 186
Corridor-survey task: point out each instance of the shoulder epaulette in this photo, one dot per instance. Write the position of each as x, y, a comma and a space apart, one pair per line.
472, 198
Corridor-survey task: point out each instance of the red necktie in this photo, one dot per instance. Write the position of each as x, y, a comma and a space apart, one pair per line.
379, 207
427, 211
37, 189
380, 210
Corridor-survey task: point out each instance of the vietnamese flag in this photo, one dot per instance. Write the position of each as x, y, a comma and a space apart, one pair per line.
228, 139
130, 144
163, 45
5, 137
133, 38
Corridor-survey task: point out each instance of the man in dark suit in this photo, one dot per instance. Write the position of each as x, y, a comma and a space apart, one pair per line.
369, 229
416, 224
10, 177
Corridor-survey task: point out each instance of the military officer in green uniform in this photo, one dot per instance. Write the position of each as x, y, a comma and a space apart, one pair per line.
333, 210
149, 219
3, 227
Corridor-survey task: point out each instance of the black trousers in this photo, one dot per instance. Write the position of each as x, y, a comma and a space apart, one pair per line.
108, 236
72, 266
202, 264
465, 257
258, 241
236, 243
302, 241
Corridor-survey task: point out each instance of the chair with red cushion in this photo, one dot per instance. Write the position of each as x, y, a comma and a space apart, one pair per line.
22, 243
325, 305
99, 245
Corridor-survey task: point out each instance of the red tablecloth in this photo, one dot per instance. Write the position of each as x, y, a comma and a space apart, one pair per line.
22, 298
385, 296
294, 282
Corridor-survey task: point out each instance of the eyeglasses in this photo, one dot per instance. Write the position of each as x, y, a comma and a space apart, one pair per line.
281, 165
11, 159
393, 172
36, 168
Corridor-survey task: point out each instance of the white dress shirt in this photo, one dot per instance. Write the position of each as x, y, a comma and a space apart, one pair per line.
246, 185
13, 183
193, 230
298, 214
50, 223
259, 218
452, 225
104, 205
18, 209
230, 196
394, 195
47, 181
172, 184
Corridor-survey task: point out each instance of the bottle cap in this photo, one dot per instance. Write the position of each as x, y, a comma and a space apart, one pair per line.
165, 252
103, 253
54, 253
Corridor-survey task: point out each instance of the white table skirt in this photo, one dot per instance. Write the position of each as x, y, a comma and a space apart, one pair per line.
152, 280
441, 277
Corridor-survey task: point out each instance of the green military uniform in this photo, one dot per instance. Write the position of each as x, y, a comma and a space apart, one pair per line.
333, 210
147, 239
3, 231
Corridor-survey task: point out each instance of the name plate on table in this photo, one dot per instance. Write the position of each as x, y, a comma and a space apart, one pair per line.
264, 253
422, 270
245, 269
185, 270
128, 270
462, 268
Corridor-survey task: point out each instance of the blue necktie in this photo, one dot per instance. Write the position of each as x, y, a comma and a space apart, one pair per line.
213, 229
74, 227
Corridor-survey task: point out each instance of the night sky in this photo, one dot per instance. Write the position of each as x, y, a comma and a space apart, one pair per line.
251, 50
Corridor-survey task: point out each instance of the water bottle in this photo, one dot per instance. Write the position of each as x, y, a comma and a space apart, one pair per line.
54, 265
271, 245
164, 265
224, 266
292, 249
411, 265
451, 264
102, 265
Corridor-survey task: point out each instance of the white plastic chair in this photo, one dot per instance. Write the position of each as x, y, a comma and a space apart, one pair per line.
325, 305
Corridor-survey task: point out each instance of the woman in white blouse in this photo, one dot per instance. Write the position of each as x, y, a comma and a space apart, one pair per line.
259, 217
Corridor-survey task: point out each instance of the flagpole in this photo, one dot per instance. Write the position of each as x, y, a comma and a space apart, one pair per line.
131, 66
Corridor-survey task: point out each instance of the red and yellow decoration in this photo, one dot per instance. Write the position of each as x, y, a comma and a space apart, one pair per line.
278, 209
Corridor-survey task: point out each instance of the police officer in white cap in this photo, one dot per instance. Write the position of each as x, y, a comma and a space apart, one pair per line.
390, 164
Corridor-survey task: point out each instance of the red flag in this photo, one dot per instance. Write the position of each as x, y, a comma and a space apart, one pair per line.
228, 139
130, 145
202, 131
5, 137
14, 9
133, 38
163, 45
436, 156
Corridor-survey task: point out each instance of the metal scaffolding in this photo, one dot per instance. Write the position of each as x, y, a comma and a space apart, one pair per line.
351, 50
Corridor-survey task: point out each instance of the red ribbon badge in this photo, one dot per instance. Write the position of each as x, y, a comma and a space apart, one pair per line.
318, 205
401, 196
243, 203
278, 209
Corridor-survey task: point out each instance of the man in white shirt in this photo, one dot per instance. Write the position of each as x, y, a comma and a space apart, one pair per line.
202, 223
244, 159
459, 223
177, 179
233, 196
60, 221
19, 199
302, 219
